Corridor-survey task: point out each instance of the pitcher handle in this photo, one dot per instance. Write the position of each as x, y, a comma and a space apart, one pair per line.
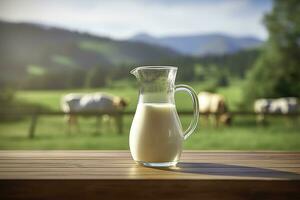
194, 122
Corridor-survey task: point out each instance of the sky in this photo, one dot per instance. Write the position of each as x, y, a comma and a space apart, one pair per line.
121, 19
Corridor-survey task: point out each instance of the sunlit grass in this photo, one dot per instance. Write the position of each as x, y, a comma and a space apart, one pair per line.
51, 98
243, 135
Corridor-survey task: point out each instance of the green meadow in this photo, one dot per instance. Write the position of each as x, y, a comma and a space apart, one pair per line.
51, 98
243, 134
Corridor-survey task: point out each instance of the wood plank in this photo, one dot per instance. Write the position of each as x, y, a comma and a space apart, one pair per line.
150, 189
97, 164
236, 165
113, 174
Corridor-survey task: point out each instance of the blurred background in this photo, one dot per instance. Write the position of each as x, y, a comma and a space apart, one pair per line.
240, 51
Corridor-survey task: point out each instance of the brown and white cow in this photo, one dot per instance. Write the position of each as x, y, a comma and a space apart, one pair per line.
94, 102
213, 105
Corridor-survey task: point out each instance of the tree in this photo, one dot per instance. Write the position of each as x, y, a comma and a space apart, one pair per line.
76, 78
276, 72
97, 77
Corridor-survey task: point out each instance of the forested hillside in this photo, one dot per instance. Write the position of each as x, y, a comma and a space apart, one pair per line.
40, 57
30, 53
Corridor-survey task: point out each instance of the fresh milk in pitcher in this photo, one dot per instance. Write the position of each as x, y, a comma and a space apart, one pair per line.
156, 135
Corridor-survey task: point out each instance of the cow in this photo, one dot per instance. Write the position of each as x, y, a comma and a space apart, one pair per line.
93, 102
214, 104
285, 105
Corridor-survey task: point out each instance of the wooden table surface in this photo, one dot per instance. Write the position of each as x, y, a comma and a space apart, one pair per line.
113, 174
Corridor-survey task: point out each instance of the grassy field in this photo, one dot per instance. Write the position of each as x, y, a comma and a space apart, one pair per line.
51, 99
244, 134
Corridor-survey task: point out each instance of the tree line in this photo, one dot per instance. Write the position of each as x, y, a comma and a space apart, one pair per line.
217, 68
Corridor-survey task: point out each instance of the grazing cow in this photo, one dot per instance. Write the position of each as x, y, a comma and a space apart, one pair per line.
210, 103
283, 106
95, 102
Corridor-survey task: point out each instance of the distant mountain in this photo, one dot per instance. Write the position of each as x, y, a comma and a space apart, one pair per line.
201, 45
24, 44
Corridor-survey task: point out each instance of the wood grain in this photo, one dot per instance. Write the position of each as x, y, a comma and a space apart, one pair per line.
112, 174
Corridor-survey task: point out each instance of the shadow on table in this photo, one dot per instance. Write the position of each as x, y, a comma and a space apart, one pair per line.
230, 170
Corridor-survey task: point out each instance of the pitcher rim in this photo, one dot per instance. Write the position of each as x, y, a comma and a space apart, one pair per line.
154, 67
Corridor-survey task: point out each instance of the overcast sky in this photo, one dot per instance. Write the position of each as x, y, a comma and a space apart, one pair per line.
124, 18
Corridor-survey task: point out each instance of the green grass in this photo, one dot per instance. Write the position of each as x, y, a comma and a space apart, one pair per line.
51, 98
244, 134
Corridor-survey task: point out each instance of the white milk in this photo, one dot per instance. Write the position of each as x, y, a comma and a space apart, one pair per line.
156, 133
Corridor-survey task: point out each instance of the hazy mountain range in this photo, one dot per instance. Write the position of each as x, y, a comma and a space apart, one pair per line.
202, 44
24, 44
37, 56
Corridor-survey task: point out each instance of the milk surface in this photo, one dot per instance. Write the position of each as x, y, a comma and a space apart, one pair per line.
156, 133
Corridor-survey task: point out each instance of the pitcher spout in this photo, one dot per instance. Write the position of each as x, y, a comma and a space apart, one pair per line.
135, 72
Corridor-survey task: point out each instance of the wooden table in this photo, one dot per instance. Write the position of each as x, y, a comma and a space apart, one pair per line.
113, 174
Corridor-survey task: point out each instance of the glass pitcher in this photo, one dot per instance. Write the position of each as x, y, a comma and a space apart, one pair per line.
156, 134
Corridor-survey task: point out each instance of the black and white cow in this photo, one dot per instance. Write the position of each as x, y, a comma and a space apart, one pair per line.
283, 106
94, 102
